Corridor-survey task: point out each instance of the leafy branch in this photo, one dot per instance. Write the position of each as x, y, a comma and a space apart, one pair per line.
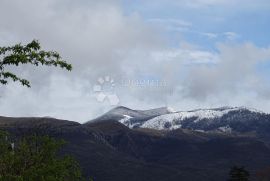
30, 53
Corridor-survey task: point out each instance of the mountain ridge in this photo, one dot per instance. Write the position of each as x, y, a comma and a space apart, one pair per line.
228, 120
109, 150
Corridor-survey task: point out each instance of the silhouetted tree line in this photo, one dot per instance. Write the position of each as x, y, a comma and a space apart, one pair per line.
238, 174
241, 174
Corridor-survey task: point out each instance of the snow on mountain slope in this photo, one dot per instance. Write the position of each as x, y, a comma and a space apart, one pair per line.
202, 119
174, 120
171, 121
125, 120
224, 119
133, 121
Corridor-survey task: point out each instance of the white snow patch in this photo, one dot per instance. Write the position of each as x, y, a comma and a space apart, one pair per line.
225, 129
175, 119
126, 121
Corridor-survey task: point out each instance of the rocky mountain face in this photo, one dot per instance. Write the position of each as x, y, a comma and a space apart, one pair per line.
133, 145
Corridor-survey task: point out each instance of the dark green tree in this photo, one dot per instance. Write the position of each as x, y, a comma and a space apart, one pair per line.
35, 158
30, 53
238, 174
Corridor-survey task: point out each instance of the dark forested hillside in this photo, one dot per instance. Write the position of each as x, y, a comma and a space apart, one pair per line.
111, 151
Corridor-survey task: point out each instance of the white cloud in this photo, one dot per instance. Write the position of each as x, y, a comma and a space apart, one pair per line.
210, 35
239, 4
171, 24
235, 73
198, 3
185, 56
89, 35
231, 35
99, 39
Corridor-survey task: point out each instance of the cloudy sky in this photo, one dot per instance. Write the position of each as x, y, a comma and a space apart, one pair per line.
185, 54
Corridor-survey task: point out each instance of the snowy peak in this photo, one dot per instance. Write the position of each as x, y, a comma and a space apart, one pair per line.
225, 109
198, 118
173, 120
223, 119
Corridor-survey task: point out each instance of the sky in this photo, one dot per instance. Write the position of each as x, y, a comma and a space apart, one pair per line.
143, 54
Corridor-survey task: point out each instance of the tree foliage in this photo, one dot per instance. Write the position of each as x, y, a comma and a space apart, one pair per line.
239, 174
35, 158
30, 53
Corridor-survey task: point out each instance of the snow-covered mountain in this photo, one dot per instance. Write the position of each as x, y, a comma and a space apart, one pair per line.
200, 119
224, 119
